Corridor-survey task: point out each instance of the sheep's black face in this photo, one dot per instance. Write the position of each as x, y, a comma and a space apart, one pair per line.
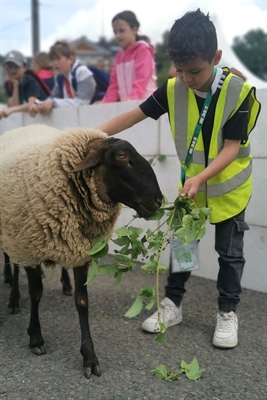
129, 178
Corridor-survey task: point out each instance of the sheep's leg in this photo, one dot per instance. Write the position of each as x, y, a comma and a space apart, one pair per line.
90, 361
8, 278
66, 285
35, 291
14, 296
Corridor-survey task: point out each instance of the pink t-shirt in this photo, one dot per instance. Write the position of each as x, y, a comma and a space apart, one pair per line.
133, 74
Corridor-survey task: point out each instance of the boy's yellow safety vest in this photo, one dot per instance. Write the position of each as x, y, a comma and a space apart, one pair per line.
227, 193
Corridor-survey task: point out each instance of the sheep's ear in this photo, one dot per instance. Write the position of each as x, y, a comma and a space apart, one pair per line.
90, 160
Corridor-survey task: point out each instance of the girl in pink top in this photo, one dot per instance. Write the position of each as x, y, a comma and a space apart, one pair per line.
133, 72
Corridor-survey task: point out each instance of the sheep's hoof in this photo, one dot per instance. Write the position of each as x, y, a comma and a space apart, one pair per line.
87, 371
38, 351
67, 292
96, 370
13, 309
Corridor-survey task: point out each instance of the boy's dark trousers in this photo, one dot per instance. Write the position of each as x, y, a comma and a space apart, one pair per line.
229, 245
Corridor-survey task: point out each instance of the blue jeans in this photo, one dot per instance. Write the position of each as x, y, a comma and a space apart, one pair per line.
229, 243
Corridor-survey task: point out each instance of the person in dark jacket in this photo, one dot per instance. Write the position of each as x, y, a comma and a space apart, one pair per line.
21, 88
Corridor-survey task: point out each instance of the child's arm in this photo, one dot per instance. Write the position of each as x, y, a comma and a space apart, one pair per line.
22, 107
13, 100
123, 121
225, 158
143, 72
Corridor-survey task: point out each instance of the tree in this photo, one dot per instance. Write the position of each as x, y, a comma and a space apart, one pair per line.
162, 61
252, 51
106, 44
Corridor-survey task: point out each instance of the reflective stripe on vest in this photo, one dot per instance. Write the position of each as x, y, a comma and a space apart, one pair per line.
232, 186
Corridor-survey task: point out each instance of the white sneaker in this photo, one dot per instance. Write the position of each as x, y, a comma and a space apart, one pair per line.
170, 315
225, 334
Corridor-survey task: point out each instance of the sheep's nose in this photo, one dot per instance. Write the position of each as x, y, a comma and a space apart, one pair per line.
158, 201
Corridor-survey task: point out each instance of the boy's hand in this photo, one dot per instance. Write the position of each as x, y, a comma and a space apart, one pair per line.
190, 187
5, 113
15, 82
33, 110
46, 107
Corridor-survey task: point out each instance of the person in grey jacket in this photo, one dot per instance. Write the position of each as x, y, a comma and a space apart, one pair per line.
75, 84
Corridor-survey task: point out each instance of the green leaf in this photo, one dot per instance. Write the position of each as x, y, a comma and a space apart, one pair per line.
160, 372
183, 231
206, 211
147, 292
121, 241
162, 269
200, 233
107, 269
192, 370
136, 308
149, 267
192, 235
99, 244
135, 231
150, 305
184, 366
124, 250
121, 258
158, 215
194, 375
118, 279
160, 338
102, 253
161, 158
123, 232
93, 272
187, 219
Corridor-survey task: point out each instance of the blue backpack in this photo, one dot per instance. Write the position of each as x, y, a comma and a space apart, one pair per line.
101, 79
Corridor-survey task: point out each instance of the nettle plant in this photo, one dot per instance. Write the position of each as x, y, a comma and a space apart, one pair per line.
183, 220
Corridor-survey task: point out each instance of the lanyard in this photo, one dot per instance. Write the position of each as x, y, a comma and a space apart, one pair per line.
67, 87
197, 131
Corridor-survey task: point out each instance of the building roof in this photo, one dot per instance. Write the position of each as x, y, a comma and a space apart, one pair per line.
85, 46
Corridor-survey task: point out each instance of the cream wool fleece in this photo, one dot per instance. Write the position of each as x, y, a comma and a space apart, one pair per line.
46, 213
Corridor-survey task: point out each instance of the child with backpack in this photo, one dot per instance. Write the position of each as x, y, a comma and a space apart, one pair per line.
133, 73
22, 88
74, 86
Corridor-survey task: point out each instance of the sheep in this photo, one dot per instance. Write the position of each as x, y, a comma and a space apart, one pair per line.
63, 190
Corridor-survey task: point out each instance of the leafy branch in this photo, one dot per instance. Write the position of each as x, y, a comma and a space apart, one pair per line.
192, 371
184, 221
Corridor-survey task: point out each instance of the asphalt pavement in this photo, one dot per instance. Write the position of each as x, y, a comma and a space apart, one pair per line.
127, 355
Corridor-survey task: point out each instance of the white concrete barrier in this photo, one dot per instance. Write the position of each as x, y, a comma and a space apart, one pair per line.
153, 138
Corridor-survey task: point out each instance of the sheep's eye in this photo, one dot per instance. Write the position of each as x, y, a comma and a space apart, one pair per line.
121, 156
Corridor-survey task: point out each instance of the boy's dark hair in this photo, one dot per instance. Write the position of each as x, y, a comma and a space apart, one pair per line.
191, 36
61, 48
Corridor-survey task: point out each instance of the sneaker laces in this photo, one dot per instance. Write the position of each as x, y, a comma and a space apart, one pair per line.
225, 322
165, 310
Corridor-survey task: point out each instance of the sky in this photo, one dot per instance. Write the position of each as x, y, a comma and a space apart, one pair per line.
70, 19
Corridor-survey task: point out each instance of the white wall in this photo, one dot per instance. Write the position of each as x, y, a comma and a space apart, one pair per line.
153, 138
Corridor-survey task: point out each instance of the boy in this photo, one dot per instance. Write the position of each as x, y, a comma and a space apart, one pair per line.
66, 92
21, 88
218, 174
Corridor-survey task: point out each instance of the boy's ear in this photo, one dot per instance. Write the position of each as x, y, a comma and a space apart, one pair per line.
217, 57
